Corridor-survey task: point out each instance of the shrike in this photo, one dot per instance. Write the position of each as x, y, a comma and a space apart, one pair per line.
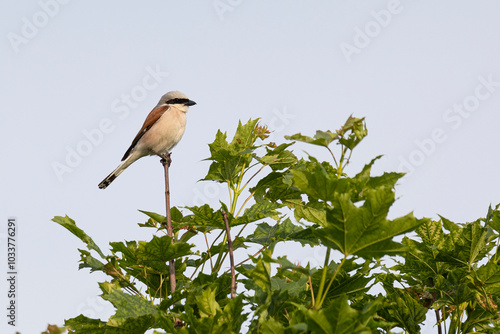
161, 131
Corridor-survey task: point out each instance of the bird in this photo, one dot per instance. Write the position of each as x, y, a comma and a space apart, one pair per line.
161, 131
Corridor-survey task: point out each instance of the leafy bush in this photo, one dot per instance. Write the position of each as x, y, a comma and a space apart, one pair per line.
449, 268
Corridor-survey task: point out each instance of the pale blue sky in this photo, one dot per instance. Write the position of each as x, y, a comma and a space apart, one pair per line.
424, 74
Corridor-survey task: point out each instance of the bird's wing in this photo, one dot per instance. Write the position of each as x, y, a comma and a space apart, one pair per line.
152, 118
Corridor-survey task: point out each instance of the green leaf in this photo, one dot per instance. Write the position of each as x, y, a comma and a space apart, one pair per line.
116, 325
321, 138
88, 261
138, 324
454, 288
420, 262
202, 312
365, 230
314, 212
349, 135
449, 225
128, 250
481, 321
259, 210
306, 236
260, 274
220, 145
351, 280
175, 216
400, 307
205, 216
478, 242
431, 233
207, 304
489, 276
465, 245
493, 218
272, 326
159, 251
339, 317
215, 282
127, 306
353, 131
229, 159
70, 225
226, 171
246, 134
285, 265
268, 235
84, 325
273, 187
319, 181
278, 157
155, 216
233, 313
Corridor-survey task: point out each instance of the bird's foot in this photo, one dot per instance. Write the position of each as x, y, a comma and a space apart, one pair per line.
165, 158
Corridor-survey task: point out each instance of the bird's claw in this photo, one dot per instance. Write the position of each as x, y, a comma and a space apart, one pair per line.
165, 158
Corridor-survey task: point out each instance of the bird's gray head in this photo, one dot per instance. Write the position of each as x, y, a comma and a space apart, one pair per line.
176, 98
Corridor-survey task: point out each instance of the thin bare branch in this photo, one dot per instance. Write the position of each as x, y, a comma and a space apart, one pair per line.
166, 161
208, 251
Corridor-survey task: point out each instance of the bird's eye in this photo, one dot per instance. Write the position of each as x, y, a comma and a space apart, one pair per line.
177, 101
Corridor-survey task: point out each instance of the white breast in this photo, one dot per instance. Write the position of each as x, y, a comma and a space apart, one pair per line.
165, 133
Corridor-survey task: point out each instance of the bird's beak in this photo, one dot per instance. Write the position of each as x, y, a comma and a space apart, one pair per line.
190, 103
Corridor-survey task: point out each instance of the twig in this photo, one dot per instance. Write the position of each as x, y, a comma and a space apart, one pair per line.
248, 258
333, 155
208, 251
245, 202
250, 179
312, 291
431, 281
166, 161
231, 258
323, 275
331, 281
209, 255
